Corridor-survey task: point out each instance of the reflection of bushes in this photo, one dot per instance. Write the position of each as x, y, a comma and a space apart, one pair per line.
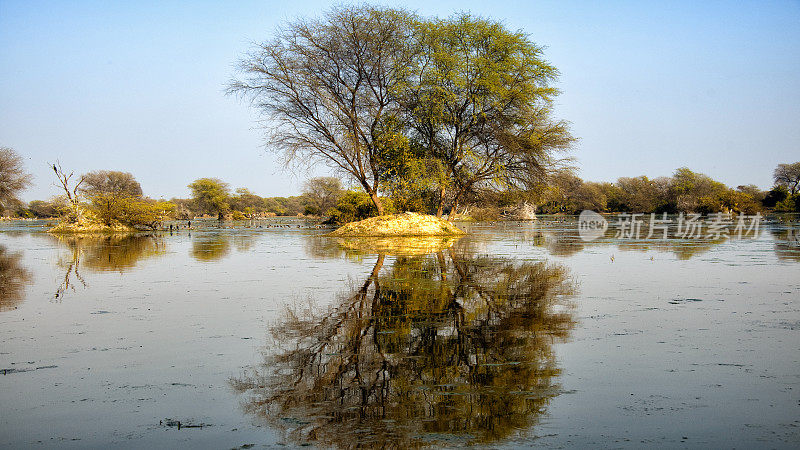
786, 235
103, 253
13, 279
215, 246
211, 248
430, 350
111, 252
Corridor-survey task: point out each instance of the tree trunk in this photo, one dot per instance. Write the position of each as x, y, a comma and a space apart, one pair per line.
377, 202
440, 210
453, 212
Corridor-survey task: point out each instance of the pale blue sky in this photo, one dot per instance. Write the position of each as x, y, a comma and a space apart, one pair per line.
648, 86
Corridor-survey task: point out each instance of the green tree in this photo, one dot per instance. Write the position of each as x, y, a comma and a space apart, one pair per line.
480, 101
247, 202
775, 195
211, 196
639, 194
113, 194
355, 205
696, 192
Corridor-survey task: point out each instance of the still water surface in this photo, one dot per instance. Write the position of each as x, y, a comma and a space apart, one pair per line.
519, 334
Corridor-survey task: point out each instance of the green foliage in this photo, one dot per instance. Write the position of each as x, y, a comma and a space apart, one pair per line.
790, 204
146, 213
211, 196
427, 110
695, 192
566, 193
740, 202
481, 106
776, 195
685, 191
112, 209
354, 206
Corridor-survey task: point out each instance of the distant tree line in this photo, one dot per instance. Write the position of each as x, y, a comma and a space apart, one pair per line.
114, 197
684, 191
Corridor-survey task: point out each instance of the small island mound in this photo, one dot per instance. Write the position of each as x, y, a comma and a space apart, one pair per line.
406, 224
87, 227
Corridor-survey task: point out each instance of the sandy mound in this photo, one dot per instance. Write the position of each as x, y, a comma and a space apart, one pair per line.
90, 227
406, 224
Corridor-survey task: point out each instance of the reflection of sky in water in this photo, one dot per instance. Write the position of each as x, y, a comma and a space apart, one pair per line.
672, 339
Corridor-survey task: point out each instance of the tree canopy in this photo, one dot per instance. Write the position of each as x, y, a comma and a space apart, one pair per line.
211, 196
403, 103
788, 175
111, 182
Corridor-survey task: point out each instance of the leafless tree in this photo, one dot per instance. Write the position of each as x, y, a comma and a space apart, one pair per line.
111, 182
72, 191
13, 177
325, 87
788, 175
322, 193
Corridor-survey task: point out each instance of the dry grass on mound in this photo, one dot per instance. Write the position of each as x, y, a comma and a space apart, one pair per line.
406, 224
90, 227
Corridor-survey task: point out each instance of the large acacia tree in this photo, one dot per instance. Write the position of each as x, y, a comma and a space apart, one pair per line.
462, 103
788, 175
327, 85
480, 101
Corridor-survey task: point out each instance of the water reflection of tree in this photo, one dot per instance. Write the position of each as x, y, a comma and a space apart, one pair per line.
98, 253
213, 246
437, 349
13, 279
786, 235
561, 238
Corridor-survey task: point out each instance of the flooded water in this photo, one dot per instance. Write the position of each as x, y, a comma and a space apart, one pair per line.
520, 334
